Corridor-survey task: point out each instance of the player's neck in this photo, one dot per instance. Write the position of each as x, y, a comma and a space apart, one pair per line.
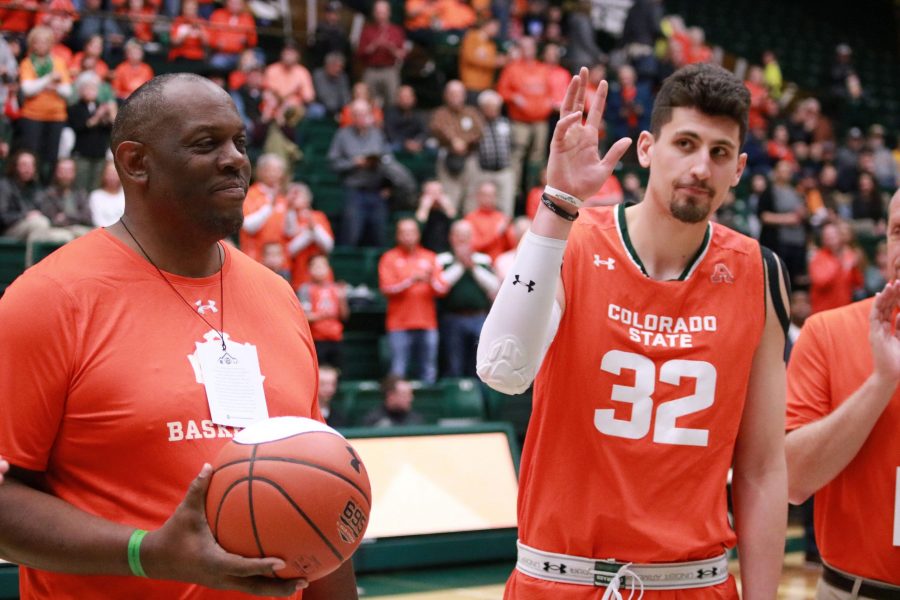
180, 255
664, 244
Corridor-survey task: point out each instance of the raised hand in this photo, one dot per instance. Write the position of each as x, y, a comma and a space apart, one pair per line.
184, 549
575, 165
884, 338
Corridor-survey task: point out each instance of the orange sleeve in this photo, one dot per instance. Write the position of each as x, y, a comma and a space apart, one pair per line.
823, 273
391, 280
254, 201
119, 85
808, 384
35, 370
250, 23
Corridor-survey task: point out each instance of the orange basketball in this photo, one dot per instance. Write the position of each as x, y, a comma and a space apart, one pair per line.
291, 488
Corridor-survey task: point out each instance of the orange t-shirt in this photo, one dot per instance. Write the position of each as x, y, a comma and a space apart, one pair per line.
128, 77
99, 390
191, 46
410, 306
489, 231
231, 33
273, 230
856, 513
300, 261
100, 67
526, 80
638, 403
46, 105
323, 299
20, 20
832, 283
294, 85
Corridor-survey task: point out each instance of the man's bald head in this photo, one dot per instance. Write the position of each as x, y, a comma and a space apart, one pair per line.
141, 115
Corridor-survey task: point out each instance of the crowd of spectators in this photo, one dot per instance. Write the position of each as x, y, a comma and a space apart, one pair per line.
818, 173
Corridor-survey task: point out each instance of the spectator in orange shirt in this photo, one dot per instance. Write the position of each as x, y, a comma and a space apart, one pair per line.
479, 58
411, 279
265, 207
45, 85
290, 86
834, 271
18, 15
133, 72
526, 91
92, 54
189, 37
139, 20
558, 78
381, 50
762, 107
361, 91
325, 303
489, 225
233, 30
308, 232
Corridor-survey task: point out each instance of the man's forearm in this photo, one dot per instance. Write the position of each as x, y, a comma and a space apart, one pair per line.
41, 531
340, 585
760, 517
818, 452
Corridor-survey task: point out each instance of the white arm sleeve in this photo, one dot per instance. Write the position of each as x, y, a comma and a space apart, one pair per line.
524, 317
255, 221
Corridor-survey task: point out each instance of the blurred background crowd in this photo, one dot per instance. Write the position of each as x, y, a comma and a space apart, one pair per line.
398, 145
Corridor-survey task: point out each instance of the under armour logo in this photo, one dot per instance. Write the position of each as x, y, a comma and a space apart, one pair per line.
721, 274
550, 567
609, 262
354, 464
529, 285
701, 573
202, 308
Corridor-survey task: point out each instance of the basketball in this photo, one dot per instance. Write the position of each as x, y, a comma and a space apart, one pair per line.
291, 488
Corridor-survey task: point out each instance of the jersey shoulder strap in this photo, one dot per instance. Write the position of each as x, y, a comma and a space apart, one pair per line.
773, 265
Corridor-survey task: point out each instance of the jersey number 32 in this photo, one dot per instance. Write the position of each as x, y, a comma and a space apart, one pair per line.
639, 396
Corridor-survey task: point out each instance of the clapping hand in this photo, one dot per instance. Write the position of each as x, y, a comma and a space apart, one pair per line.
883, 335
575, 165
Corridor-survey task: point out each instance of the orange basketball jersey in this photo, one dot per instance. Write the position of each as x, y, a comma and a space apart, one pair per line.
638, 402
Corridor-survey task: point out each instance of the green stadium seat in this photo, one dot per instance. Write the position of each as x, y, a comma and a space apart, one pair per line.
12, 261
515, 410
356, 265
462, 398
41, 250
361, 356
329, 199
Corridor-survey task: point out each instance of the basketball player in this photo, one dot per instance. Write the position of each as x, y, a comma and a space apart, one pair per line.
111, 394
843, 419
659, 363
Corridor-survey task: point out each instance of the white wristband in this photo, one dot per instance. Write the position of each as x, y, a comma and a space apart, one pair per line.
560, 195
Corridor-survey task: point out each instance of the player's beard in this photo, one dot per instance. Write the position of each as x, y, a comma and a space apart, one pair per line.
690, 208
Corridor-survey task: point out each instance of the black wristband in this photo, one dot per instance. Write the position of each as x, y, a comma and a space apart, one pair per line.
557, 210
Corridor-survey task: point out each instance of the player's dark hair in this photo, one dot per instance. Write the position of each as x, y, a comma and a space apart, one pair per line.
138, 116
709, 88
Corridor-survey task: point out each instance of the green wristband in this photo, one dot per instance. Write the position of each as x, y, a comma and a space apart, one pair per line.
134, 552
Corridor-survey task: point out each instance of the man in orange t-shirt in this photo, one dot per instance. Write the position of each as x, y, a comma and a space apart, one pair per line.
525, 87
843, 416
291, 85
489, 225
411, 279
265, 207
232, 30
834, 272
109, 391
132, 72
308, 232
